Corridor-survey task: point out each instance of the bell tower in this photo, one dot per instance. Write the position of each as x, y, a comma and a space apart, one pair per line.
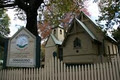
58, 32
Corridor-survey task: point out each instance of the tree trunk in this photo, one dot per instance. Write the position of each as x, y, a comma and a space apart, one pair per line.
30, 7
32, 22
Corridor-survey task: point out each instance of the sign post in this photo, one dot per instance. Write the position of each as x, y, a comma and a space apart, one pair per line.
23, 50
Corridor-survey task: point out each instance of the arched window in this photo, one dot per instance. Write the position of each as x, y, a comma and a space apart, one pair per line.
77, 43
60, 31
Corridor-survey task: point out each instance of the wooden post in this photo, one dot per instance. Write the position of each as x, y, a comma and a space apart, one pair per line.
38, 46
5, 53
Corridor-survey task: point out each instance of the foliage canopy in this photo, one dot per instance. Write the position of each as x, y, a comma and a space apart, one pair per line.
110, 13
4, 23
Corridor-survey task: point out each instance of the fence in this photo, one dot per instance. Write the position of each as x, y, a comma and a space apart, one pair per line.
57, 70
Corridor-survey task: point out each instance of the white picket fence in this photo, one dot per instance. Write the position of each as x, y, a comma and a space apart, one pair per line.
57, 70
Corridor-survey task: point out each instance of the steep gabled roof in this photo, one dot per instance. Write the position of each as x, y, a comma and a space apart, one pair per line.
96, 25
55, 40
110, 38
82, 13
86, 29
83, 26
58, 26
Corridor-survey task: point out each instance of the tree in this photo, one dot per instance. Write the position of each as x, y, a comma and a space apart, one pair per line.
4, 23
59, 12
44, 29
116, 34
1, 47
30, 8
1, 52
110, 13
4, 30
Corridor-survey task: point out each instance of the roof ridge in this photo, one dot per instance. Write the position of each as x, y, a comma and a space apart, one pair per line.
87, 30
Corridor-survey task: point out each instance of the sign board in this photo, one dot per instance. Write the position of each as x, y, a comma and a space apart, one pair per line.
22, 50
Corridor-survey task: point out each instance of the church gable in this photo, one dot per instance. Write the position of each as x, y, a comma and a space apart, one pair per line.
91, 26
82, 17
91, 34
76, 28
79, 45
77, 40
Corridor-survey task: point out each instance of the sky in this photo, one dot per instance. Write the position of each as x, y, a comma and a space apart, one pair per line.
16, 23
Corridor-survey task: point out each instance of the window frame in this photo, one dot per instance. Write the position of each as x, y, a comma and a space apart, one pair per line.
77, 43
60, 31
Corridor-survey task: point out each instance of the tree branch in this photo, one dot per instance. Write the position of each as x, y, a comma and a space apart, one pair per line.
7, 5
